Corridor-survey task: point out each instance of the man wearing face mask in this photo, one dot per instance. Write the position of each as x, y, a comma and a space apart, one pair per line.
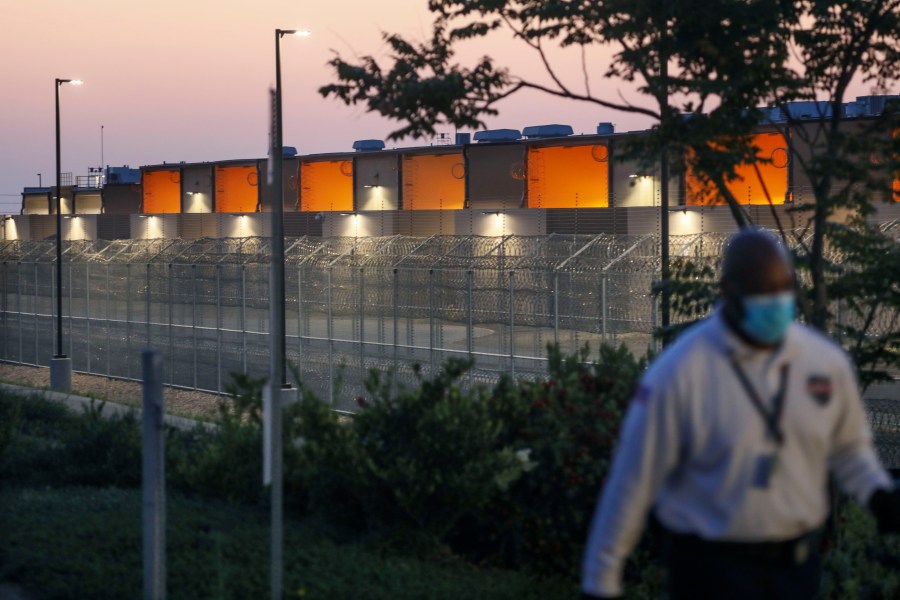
730, 439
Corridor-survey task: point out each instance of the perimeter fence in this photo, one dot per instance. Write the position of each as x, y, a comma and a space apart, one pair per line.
352, 304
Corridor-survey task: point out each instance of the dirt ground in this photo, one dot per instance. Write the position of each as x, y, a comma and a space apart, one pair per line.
187, 403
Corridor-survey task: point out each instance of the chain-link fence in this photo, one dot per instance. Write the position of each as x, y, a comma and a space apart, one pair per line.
352, 304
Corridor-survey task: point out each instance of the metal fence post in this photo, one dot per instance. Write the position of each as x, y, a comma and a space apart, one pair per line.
69, 310
34, 312
153, 478
299, 319
87, 302
128, 289
512, 326
170, 316
431, 308
5, 310
244, 318
469, 332
396, 290
108, 323
556, 307
19, 289
604, 308
218, 328
330, 333
194, 318
362, 323
148, 298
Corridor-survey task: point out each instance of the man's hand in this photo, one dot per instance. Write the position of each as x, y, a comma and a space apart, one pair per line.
885, 505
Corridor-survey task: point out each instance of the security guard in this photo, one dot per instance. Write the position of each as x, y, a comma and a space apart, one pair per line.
730, 439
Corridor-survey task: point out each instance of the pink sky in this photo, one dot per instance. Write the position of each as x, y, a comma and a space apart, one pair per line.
187, 80
173, 80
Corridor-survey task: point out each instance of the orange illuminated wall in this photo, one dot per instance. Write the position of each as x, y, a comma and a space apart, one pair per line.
237, 189
434, 182
326, 185
162, 192
568, 177
747, 187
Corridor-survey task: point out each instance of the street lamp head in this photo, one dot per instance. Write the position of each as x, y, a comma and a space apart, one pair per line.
297, 32
72, 81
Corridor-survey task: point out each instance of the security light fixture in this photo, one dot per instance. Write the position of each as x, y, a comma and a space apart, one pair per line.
297, 32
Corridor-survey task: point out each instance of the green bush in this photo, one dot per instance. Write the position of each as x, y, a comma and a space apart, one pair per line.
76, 543
508, 475
568, 425
10, 416
863, 565
225, 462
57, 447
412, 463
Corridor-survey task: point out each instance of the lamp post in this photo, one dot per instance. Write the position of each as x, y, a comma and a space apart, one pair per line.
279, 363
60, 364
278, 389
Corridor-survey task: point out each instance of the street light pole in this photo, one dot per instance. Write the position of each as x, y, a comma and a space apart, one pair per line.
277, 317
278, 390
60, 364
279, 354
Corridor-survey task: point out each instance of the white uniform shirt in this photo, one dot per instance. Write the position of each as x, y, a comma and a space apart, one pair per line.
692, 442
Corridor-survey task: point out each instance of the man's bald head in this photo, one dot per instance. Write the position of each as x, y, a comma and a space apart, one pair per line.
755, 263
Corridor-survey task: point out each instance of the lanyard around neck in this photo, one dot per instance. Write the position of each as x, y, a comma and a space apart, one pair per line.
772, 418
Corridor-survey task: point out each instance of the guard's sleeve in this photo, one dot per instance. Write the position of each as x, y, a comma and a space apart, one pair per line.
853, 461
646, 454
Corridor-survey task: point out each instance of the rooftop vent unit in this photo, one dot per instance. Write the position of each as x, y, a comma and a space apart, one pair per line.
368, 145
493, 136
122, 175
537, 132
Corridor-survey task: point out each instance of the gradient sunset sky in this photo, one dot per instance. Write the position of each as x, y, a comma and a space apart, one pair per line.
187, 80
173, 80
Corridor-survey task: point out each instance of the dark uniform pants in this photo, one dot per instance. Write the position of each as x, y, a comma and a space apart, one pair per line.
772, 571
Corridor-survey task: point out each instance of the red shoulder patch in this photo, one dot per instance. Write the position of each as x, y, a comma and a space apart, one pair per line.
819, 387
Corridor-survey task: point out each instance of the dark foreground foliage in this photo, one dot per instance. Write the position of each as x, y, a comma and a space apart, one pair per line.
466, 478
85, 542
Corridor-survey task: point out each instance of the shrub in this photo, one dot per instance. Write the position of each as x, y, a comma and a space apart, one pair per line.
568, 425
412, 463
10, 416
223, 463
862, 565
55, 446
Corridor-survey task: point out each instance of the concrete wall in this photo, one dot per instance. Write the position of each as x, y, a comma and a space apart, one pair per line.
496, 176
376, 179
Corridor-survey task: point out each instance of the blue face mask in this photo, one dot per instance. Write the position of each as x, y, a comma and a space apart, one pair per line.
767, 316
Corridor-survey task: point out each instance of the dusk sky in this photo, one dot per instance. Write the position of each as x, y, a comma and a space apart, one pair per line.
173, 80
176, 80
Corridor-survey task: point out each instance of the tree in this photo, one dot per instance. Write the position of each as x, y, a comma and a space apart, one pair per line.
715, 60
